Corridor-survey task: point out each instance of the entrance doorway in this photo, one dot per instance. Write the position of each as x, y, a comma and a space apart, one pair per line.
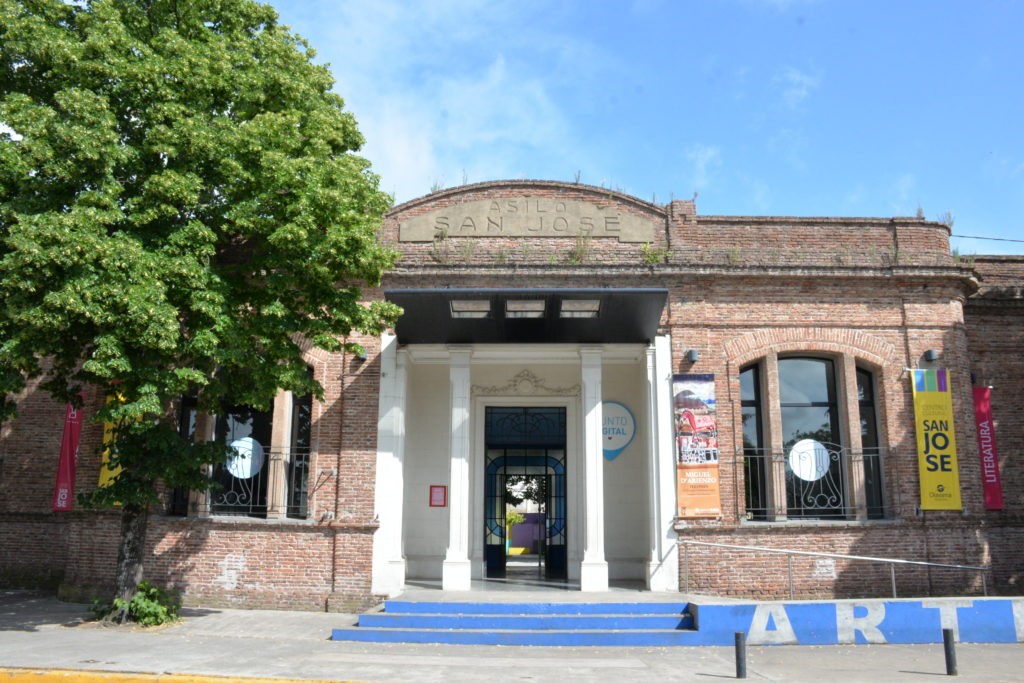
525, 492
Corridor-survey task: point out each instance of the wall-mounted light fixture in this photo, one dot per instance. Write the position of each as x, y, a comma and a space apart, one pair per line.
693, 355
931, 355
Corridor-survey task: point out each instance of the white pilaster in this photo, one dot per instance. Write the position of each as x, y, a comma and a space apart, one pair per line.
456, 569
663, 566
388, 573
594, 568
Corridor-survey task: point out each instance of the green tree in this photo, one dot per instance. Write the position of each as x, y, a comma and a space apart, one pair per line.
180, 207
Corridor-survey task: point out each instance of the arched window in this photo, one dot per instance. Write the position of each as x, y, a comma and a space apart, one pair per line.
806, 468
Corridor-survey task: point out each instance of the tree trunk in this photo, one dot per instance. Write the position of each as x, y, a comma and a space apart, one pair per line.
129, 556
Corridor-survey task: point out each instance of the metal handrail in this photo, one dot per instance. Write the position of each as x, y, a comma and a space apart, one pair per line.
864, 558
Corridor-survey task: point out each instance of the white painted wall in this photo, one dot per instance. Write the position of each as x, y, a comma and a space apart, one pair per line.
427, 429
626, 487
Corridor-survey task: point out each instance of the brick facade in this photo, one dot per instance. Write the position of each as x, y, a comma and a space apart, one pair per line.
879, 292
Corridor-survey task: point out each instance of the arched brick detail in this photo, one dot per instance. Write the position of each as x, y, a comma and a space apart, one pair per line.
865, 347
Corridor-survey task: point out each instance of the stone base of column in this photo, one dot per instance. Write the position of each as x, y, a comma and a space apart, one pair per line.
389, 578
663, 577
456, 575
594, 576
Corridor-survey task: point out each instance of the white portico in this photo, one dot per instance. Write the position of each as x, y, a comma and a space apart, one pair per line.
467, 399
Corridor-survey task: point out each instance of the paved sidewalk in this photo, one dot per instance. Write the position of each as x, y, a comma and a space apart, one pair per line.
40, 634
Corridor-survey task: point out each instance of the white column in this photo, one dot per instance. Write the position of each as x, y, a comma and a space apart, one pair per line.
594, 568
663, 566
456, 572
388, 572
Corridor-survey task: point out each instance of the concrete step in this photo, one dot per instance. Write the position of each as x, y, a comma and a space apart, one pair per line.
528, 622
525, 623
609, 638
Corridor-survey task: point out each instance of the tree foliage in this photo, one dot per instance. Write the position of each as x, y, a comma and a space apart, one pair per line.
180, 207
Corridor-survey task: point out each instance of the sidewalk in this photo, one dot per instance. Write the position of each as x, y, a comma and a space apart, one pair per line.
40, 634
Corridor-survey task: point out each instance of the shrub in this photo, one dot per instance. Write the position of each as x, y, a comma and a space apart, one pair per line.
150, 606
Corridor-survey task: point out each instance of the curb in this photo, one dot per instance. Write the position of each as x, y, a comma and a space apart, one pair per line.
15, 675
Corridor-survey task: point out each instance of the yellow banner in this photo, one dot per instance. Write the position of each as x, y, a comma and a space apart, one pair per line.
936, 440
108, 475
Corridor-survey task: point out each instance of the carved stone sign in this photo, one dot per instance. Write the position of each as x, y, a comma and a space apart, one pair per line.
526, 217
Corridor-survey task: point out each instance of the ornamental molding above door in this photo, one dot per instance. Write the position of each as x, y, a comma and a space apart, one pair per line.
525, 383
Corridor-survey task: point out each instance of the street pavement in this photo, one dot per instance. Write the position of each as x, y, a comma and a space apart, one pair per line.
43, 639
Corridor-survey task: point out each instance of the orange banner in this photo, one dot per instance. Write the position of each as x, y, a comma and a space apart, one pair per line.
698, 491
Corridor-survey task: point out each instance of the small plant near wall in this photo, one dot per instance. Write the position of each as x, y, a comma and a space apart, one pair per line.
966, 260
466, 250
440, 248
654, 255
149, 606
580, 250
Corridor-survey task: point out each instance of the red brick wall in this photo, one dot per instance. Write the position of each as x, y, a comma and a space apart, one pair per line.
995, 337
882, 290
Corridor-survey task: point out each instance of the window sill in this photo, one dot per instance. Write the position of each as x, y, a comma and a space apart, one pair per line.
828, 523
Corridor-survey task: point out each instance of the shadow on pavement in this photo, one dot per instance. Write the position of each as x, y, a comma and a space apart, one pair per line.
29, 610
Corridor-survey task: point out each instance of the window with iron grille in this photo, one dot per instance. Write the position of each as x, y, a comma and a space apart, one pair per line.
812, 476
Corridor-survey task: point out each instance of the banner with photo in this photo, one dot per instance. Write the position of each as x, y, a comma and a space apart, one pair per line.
936, 440
698, 492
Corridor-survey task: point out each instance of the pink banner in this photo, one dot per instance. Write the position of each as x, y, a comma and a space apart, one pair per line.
64, 491
990, 480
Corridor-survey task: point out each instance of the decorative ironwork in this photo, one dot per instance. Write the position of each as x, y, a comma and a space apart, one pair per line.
297, 506
525, 442
817, 483
233, 493
537, 427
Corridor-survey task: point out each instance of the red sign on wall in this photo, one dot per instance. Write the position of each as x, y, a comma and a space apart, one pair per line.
990, 480
438, 496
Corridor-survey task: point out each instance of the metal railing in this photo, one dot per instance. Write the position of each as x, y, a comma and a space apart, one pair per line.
893, 563
812, 485
243, 490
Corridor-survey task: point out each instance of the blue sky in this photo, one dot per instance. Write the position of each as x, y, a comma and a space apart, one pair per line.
761, 107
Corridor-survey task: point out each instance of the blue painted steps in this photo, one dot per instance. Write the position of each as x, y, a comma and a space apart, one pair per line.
525, 623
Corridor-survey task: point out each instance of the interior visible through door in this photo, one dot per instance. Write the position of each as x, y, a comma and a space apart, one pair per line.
525, 492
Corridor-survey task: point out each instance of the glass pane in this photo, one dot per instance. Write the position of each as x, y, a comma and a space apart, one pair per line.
302, 413
239, 422
808, 422
748, 384
865, 387
751, 428
517, 427
868, 432
806, 380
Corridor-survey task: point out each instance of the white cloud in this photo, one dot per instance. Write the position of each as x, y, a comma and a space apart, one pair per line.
796, 86
441, 92
758, 195
790, 144
903, 195
705, 160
